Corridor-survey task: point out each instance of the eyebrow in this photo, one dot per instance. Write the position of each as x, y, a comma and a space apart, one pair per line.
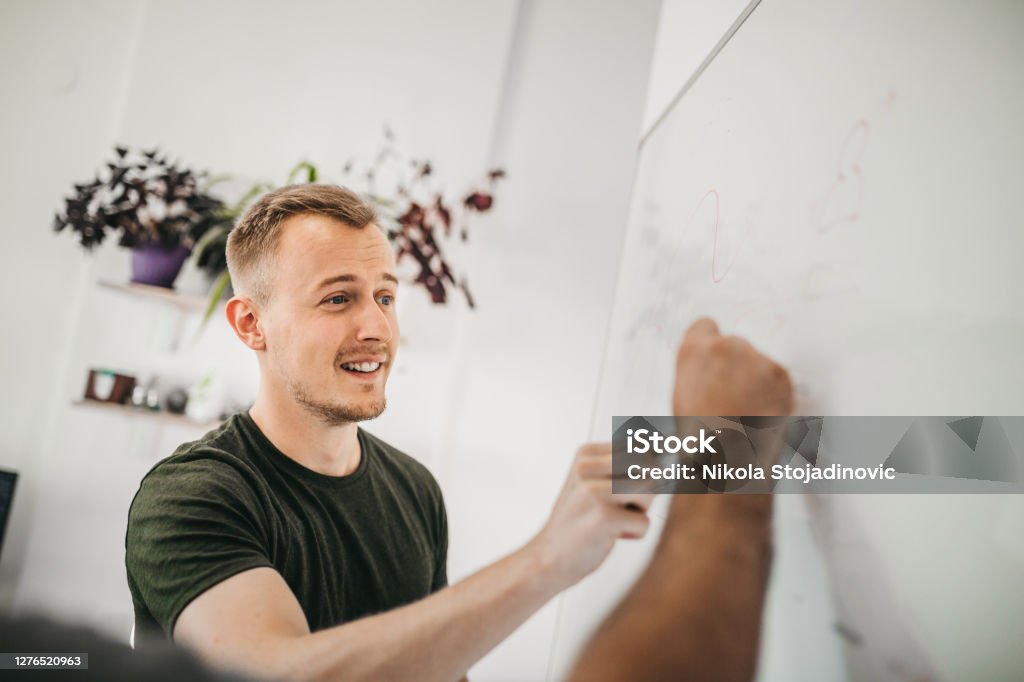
352, 278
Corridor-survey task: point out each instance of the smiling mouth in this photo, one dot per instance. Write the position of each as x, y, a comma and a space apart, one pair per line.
361, 367
363, 370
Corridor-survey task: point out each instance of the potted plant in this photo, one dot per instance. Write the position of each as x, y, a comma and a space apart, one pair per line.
156, 208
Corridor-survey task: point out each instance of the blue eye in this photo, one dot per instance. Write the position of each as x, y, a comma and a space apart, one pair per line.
337, 300
387, 299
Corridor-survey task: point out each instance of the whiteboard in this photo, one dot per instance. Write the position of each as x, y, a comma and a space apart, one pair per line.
844, 186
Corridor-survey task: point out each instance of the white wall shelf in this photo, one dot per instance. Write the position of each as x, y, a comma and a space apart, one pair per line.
188, 302
143, 413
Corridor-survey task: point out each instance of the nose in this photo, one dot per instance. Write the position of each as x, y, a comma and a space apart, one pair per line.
372, 323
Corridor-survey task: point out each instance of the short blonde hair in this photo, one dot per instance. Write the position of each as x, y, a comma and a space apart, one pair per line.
253, 241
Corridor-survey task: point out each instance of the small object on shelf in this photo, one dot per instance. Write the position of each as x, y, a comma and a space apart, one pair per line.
107, 386
176, 401
146, 396
102, 384
206, 398
152, 396
138, 396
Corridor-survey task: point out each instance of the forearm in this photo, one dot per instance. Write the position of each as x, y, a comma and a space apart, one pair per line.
695, 613
437, 638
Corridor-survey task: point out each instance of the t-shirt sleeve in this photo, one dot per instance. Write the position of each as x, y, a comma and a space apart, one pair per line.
441, 567
191, 525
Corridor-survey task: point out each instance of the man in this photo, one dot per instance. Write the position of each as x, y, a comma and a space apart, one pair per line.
254, 545
290, 543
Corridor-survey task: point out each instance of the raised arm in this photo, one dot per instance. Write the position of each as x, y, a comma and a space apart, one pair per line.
252, 621
695, 612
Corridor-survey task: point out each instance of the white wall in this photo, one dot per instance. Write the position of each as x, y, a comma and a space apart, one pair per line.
552, 91
529, 366
63, 74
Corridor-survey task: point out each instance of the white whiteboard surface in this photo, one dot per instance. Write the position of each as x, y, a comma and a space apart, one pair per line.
844, 186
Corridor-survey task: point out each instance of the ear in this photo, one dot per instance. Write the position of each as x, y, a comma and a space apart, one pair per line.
243, 316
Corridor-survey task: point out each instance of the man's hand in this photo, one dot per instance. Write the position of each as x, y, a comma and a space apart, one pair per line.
587, 519
725, 376
704, 587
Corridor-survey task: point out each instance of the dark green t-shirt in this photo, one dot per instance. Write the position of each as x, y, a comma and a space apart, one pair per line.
348, 546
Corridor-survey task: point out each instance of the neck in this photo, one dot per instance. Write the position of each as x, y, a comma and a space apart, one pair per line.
324, 448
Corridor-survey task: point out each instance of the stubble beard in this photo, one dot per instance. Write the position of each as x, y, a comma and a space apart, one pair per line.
336, 414
330, 412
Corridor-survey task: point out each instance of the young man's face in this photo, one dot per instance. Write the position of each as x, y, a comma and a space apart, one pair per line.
330, 326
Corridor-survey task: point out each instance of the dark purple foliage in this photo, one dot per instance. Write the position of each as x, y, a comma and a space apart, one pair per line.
479, 201
144, 200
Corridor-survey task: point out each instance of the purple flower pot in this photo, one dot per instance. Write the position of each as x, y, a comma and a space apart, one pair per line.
158, 265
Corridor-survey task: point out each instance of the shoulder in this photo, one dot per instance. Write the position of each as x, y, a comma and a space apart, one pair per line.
394, 459
206, 486
210, 467
398, 465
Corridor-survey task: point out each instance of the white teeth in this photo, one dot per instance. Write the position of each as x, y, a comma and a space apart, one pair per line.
361, 366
